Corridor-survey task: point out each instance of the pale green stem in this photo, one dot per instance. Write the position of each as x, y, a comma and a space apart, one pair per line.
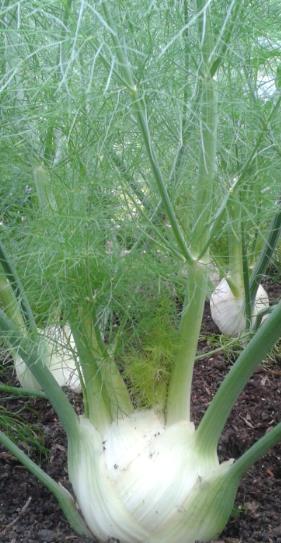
225, 36
178, 402
236, 267
235, 253
245, 168
207, 164
246, 282
19, 391
256, 451
266, 254
10, 304
28, 349
212, 424
12, 277
97, 405
208, 119
107, 396
49, 144
139, 105
45, 194
62, 495
117, 392
240, 178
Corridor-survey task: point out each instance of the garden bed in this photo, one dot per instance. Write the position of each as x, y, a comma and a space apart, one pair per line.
29, 514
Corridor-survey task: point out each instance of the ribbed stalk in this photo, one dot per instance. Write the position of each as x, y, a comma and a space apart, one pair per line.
266, 254
212, 424
107, 397
15, 282
10, 304
208, 118
240, 178
28, 348
19, 391
207, 164
246, 282
97, 404
256, 451
235, 252
178, 403
138, 102
45, 193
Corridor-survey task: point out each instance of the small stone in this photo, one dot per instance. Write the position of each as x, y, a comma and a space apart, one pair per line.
47, 536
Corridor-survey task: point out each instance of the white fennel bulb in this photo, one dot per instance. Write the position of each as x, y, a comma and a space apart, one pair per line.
228, 311
57, 347
142, 482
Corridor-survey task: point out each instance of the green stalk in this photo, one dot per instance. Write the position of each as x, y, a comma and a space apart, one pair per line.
62, 495
104, 384
207, 164
10, 304
225, 36
205, 188
117, 392
256, 451
49, 144
174, 174
139, 105
235, 252
17, 287
28, 348
213, 422
19, 391
246, 283
235, 280
266, 254
140, 108
97, 404
46, 197
178, 402
240, 178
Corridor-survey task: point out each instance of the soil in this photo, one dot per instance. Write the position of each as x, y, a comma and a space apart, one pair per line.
29, 514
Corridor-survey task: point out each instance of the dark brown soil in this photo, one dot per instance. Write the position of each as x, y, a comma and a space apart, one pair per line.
29, 514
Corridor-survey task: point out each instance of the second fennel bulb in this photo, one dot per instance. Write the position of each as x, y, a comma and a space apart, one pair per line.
57, 345
228, 311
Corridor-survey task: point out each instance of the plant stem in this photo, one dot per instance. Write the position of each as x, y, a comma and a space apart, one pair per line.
256, 451
139, 105
28, 348
19, 391
117, 392
204, 196
62, 495
266, 254
178, 402
10, 304
17, 287
246, 283
45, 194
97, 404
235, 252
212, 424
225, 36
240, 178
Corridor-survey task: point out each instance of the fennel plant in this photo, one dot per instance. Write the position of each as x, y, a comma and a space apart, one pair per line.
121, 218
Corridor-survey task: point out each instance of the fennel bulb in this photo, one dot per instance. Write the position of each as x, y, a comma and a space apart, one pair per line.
56, 344
139, 481
228, 311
